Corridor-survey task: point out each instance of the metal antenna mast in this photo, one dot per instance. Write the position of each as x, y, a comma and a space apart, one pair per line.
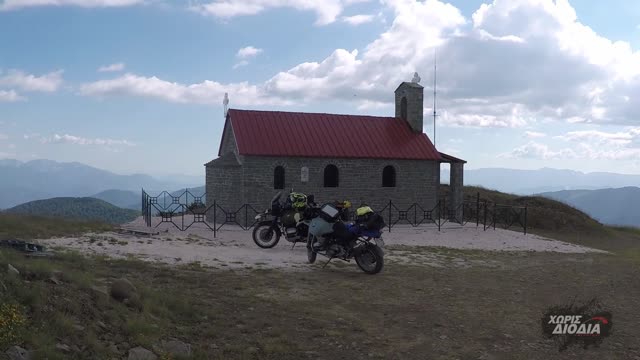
434, 96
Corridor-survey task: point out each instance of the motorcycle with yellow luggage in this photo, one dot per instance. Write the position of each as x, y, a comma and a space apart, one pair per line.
290, 219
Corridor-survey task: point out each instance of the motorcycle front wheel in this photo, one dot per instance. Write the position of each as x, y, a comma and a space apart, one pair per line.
311, 254
370, 259
265, 236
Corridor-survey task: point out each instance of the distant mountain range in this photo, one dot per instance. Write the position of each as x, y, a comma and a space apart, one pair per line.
22, 182
619, 206
528, 182
132, 200
77, 209
121, 198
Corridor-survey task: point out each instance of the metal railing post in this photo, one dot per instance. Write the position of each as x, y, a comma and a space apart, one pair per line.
215, 227
478, 209
439, 205
525, 219
389, 215
484, 226
495, 207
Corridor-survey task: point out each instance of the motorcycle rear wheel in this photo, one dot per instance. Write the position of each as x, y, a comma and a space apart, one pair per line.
370, 259
265, 236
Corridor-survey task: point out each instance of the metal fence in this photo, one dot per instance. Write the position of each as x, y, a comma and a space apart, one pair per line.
183, 210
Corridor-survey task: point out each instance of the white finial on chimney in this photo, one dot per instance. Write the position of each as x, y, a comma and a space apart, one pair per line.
225, 102
416, 78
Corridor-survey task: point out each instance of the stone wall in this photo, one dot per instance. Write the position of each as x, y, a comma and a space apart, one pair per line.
456, 185
228, 140
223, 185
415, 107
360, 181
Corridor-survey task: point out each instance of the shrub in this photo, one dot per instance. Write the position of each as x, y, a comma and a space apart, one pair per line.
12, 323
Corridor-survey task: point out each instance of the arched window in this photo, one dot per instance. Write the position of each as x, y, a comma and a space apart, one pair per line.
278, 177
389, 176
331, 176
403, 108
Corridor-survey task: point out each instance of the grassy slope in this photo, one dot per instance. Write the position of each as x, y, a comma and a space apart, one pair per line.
547, 217
77, 208
34, 227
605, 204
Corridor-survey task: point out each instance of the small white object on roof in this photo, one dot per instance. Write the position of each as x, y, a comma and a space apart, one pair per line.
225, 102
416, 78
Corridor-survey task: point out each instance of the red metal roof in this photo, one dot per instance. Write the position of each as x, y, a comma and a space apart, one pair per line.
451, 159
276, 133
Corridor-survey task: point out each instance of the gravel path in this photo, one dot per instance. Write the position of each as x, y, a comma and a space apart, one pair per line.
233, 247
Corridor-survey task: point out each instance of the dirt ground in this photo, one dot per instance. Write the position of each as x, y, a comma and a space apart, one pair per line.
233, 247
432, 301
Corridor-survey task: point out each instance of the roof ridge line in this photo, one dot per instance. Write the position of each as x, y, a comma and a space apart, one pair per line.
313, 113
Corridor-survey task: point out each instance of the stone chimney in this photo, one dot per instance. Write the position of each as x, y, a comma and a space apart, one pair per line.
409, 103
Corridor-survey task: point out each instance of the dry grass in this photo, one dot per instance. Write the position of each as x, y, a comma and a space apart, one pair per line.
33, 227
338, 312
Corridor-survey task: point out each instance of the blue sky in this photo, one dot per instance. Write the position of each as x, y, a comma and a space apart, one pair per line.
136, 86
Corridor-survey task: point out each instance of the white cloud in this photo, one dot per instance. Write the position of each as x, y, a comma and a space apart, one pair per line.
604, 138
18, 4
358, 19
4, 136
244, 54
534, 150
206, 92
31, 136
588, 144
76, 140
10, 96
326, 10
112, 68
240, 64
27, 82
513, 64
248, 52
534, 134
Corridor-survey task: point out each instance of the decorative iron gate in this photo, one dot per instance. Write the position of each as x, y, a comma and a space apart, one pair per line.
184, 210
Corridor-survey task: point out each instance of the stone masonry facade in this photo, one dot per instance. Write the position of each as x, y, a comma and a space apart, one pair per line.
360, 181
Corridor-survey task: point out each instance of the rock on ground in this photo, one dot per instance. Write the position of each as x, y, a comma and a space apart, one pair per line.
140, 353
12, 270
123, 289
18, 353
176, 348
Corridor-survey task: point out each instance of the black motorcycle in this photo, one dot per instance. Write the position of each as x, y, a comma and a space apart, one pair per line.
290, 219
333, 238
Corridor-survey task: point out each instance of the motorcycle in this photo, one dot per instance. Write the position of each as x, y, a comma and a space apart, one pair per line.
329, 236
291, 219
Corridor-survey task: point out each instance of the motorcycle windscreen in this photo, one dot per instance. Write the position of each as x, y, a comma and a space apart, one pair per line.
320, 227
276, 197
